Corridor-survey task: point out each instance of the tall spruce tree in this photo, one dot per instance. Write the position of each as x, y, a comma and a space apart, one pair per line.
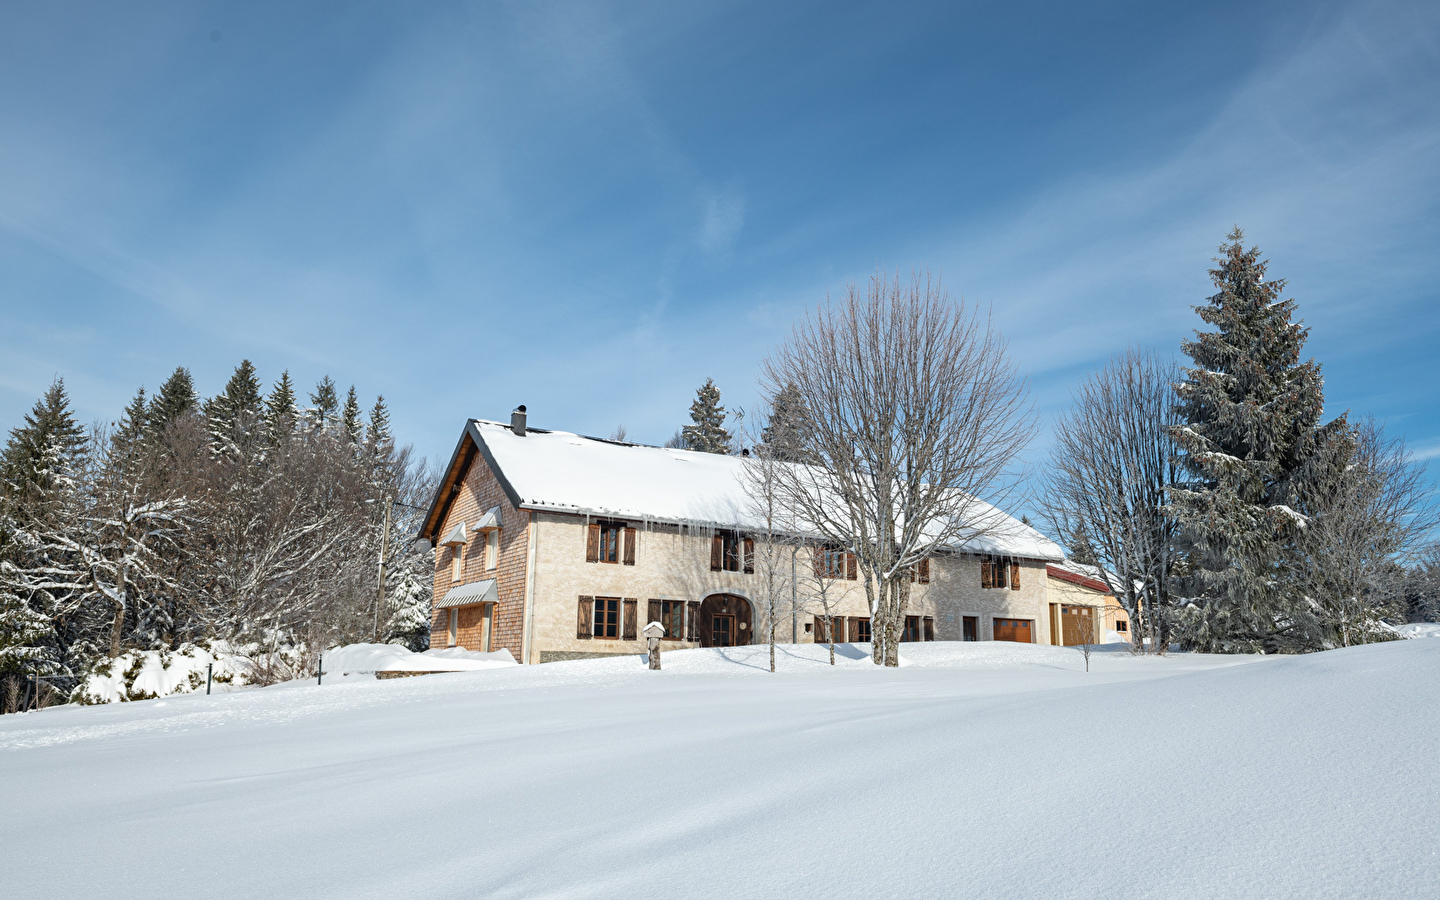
234, 418
784, 434
350, 417
50, 441
708, 433
280, 411
1256, 456
129, 431
324, 403
175, 400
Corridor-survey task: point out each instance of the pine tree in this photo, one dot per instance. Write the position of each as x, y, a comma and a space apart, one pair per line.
1256, 456
280, 411
129, 432
784, 434
50, 440
708, 434
235, 416
350, 417
175, 400
324, 402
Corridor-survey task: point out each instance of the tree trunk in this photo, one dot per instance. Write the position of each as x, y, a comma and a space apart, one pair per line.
116, 629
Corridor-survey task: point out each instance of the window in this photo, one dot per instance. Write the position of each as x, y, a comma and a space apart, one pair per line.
457, 561
833, 562
860, 630
603, 543
731, 552
1122, 626
672, 616
912, 629
1000, 572
454, 627
607, 617
492, 548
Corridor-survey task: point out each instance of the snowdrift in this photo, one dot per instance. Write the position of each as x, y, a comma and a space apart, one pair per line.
366, 658
977, 770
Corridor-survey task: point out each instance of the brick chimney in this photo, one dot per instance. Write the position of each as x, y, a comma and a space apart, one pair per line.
517, 421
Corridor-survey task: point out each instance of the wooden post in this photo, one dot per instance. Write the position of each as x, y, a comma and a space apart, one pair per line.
653, 631
209, 667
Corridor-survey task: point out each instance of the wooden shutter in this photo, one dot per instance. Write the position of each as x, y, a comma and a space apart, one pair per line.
749, 556
717, 553
985, 577
817, 559
629, 546
925, 571
630, 632
592, 544
1014, 574
692, 618
852, 628
584, 629
655, 614
929, 628
849, 567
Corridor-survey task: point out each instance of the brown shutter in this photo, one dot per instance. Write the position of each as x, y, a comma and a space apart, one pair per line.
655, 614
717, 552
849, 567
985, 577
629, 546
749, 556
929, 628
592, 544
584, 629
630, 632
692, 617
852, 629
817, 559
925, 571
1014, 574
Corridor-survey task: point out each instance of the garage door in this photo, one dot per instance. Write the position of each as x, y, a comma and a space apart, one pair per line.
1017, 630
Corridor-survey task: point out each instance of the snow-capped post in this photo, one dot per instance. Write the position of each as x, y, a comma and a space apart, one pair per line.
209, 671
320, 671
653, 633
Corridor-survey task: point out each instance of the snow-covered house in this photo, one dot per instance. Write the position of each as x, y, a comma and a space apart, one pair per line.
1083, 608
556, 546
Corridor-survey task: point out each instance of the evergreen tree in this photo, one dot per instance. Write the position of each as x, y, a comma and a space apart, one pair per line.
324, 403
280, 411
23, 633
784, 434
175, 400
707, 434
234, 417
129, 432
49, 442
1256, 456
350, 417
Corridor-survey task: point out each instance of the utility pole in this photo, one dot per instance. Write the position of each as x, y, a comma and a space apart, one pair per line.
380, 588
794, 601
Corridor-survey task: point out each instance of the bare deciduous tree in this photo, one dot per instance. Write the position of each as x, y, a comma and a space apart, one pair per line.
916, 412
1110, 467
1356, 549
772, 542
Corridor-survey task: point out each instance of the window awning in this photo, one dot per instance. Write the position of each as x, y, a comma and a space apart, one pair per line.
465, 594
456, 536
490, 520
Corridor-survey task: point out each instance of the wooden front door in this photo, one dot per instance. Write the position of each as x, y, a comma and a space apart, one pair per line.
722, 631
725, 621
1017, 630
970, 628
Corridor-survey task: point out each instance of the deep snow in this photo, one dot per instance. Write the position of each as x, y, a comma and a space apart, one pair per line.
978, 770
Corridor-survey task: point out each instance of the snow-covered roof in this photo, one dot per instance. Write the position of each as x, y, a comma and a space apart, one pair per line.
563, 472
456, 535
490, 520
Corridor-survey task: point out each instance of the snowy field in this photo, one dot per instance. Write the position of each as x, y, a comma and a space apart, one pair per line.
977, 770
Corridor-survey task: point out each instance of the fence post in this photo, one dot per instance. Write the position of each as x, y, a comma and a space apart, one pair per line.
320, 671
209, 667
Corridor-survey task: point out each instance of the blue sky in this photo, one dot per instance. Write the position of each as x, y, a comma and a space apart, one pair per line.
590, 208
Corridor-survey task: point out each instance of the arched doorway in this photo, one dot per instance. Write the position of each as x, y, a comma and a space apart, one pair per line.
725, 621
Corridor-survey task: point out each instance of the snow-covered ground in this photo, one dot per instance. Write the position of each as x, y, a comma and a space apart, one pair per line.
977, 770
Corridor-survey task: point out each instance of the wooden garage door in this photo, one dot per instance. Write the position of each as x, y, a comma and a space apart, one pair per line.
1017, 630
